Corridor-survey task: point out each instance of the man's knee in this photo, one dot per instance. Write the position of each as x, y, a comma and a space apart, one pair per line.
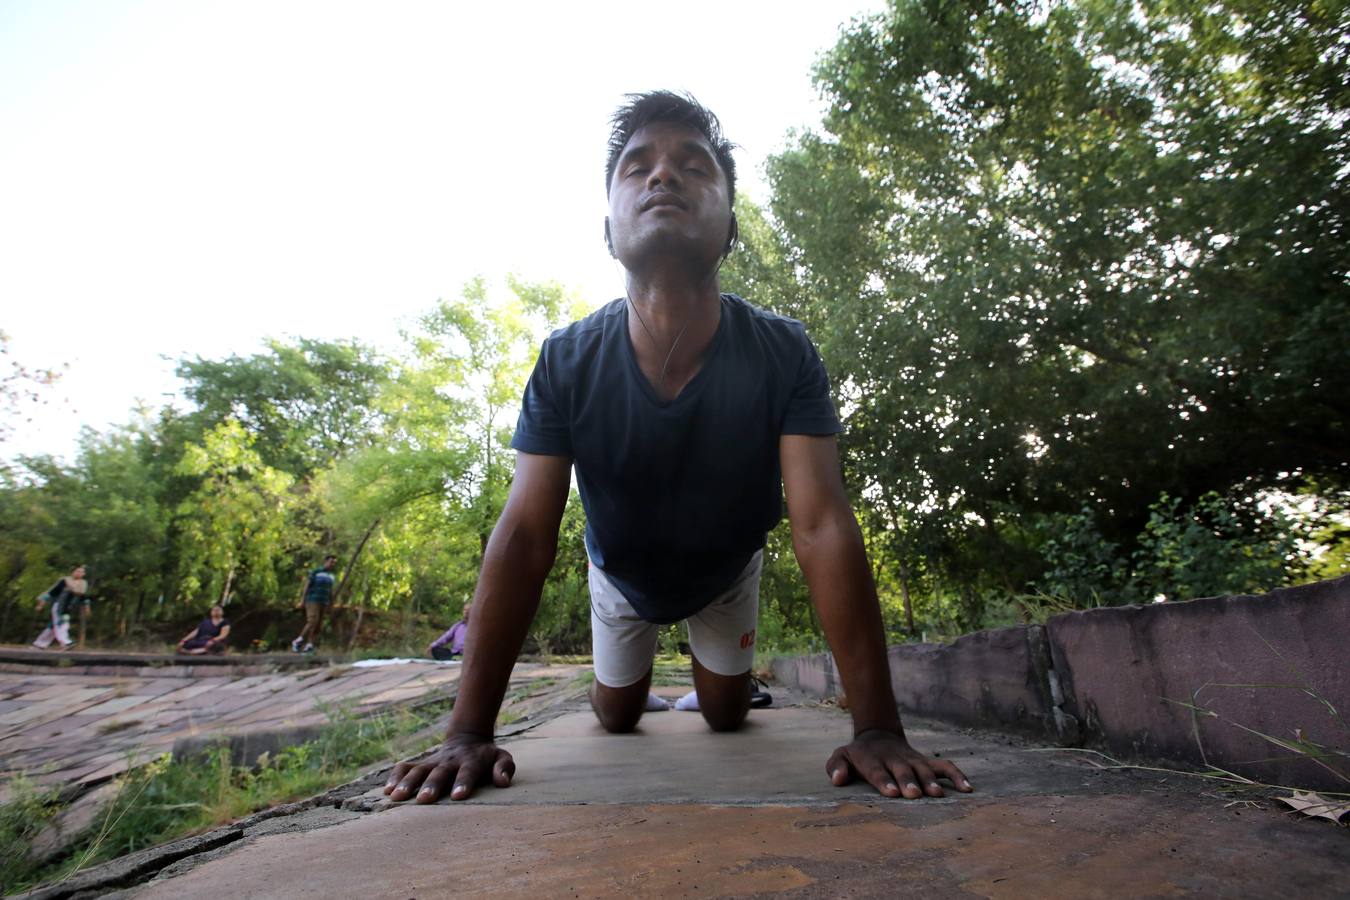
616, 709
617, 721
725, 716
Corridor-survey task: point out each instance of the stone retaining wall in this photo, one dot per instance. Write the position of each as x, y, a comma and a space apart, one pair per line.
1123, 680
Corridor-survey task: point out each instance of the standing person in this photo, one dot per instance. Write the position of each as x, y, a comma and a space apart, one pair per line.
318, 594
209, 636
63, 597
686, 412
451, 644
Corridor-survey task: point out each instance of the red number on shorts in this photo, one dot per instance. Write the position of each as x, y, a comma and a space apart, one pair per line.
747, 639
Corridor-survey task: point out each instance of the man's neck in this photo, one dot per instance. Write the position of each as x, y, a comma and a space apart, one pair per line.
675, 322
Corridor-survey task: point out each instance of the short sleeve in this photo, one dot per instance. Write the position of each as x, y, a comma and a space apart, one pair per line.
541, 427
810, 409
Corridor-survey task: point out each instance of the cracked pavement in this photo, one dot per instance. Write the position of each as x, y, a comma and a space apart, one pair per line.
676, 810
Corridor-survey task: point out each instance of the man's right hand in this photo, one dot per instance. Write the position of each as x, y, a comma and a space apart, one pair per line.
464, 760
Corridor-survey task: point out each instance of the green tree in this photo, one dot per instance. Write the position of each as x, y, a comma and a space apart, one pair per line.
306, 403
434, 484
1059, 254
103, 511
20, 386
233, 529
1216, 547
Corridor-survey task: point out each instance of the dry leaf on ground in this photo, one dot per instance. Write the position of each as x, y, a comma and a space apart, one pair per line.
1311, 804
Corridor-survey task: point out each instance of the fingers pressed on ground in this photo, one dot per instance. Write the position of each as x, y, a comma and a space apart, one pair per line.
949, 770
927, 780
837, 768
409, 783
465, 781
395, 775
903, 775
878, 776
503, 770
434, 786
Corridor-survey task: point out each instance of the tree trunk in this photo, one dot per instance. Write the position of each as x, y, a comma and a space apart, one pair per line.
351, 566
229, 580
904, 595
360, 614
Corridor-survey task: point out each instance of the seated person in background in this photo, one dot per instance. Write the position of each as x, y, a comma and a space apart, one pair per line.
209, 636
451, 644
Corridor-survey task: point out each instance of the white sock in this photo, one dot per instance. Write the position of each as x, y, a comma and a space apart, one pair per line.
688, 702
655, 703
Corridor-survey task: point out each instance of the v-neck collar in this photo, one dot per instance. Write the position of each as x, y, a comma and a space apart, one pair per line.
649, 389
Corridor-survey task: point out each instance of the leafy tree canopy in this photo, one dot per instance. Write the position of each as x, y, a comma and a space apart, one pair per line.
1061, 254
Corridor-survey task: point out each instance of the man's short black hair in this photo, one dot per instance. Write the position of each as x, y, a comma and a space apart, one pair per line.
667, 106
331, 556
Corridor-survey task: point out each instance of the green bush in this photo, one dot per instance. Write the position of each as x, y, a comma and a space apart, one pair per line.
21, 820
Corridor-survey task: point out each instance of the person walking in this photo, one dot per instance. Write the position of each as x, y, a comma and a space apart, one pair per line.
61, 599
318, 594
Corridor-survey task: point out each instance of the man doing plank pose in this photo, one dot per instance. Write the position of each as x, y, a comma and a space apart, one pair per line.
687, 413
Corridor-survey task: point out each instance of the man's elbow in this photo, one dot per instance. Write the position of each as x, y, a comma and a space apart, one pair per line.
515, 544
832, 530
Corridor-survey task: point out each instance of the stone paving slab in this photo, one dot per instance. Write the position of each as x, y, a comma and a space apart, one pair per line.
679, 811
115, 662
66, 727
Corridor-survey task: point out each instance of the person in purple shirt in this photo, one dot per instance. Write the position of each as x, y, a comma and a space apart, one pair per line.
451, 644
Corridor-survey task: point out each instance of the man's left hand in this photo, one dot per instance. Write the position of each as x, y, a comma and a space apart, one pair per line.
887, 762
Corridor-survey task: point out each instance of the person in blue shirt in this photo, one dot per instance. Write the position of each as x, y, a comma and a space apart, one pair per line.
317, 596
685, 413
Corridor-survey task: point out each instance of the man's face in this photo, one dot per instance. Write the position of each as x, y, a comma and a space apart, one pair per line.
79, 572
668, 197
468, 608
330, 564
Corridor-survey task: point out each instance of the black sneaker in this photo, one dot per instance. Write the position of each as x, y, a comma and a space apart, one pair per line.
759, 697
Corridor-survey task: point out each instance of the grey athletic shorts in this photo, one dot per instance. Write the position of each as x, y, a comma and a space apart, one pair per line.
721, 635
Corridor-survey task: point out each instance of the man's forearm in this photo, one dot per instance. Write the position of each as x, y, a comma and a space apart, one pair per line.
834, 561
505, 601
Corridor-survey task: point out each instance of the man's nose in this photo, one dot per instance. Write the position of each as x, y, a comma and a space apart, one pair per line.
664, 173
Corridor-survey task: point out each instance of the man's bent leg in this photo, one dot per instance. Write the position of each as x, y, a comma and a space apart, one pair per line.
723, 699
722, 644
313, 616
620, 708
623, 647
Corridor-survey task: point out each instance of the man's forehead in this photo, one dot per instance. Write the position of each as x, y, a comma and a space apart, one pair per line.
688, 136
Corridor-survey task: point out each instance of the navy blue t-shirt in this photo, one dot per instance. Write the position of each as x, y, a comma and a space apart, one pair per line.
679, 495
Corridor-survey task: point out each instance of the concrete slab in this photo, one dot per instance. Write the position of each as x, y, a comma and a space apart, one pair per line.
53, 720
680, 811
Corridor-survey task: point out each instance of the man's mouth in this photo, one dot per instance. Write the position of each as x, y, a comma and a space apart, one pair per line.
663, 199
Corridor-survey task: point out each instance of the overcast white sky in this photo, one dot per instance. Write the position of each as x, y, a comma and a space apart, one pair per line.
189, 178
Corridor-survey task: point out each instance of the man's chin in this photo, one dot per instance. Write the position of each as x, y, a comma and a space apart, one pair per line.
662, 248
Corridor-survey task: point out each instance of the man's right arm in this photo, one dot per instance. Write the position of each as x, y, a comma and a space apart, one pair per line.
518, 558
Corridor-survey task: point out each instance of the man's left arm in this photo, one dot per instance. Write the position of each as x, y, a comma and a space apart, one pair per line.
829, 548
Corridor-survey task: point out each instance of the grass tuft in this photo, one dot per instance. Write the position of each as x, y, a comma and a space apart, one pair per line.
172, 797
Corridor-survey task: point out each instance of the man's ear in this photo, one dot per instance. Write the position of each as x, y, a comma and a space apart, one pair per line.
733, 235
609, 241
